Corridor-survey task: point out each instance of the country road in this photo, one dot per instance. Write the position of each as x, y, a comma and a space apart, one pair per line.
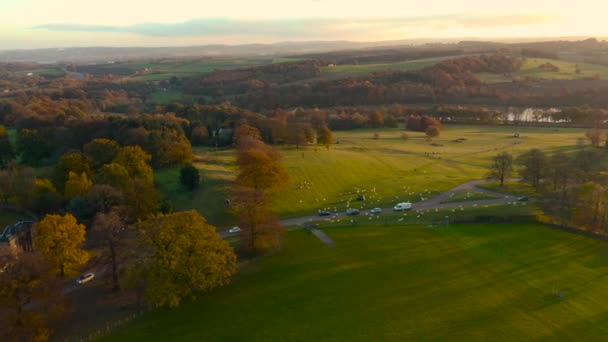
432, 203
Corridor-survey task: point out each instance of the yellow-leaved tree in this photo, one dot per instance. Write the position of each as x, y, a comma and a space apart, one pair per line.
180, 254
59, 239
77, 185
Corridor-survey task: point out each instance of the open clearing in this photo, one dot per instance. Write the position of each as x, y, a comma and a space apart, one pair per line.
464, 282
567, 71
386, 171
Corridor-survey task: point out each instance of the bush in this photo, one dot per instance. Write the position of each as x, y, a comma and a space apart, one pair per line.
190, 177
432, 132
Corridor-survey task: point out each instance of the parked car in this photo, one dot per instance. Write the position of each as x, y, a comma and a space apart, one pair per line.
352, 212
523, 199
323, 213
234, 230
85, 278
375, 211
402, 206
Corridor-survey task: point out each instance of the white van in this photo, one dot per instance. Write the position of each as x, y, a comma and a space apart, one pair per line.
402, 206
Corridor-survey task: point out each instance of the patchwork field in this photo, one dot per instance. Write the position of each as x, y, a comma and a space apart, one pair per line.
567, 71
386, 171
462, 282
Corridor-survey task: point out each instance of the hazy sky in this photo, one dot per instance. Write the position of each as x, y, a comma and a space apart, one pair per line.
61, 23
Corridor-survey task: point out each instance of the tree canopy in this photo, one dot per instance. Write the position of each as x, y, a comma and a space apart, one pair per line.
183, 255
59, 239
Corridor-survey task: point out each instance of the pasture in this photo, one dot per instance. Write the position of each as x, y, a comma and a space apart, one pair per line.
567, 71
405, 282
158, 71
391, 170
387, 171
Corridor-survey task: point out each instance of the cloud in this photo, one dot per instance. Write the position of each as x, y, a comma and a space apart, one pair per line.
303, 27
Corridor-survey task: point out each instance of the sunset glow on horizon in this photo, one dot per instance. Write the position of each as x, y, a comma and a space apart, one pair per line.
63, 23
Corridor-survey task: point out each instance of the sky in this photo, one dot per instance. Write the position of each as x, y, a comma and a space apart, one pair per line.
64, 23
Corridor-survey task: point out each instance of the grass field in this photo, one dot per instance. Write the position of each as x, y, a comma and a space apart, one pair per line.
217, 171
159, 71
461, 283
361, 69
387, 171
166, 97
470, 196
567, 71
51, 72
391, 170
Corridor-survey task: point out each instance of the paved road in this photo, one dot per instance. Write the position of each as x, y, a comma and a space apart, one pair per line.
432, 203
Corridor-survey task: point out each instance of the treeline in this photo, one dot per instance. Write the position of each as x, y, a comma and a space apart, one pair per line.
40, 142
573, 188
240, 81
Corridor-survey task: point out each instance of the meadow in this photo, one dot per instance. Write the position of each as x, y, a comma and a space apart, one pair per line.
159, 71
404, 282
387, 171
567, 71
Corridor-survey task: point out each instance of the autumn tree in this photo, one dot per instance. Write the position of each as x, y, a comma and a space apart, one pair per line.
501, 167
70, 163
534, 164
595, 136
190, 177
16, 183
44, 197
432, 132
142, 199
136, 161
59, 239
592, 208
77, 185
6, 150
199, 135
109, 231
260, 174
113, 174
101, 151
181, 254
324, 136
31, 298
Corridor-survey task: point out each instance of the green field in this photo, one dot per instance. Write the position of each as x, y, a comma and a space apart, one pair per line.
458, 283
387, 171
166, 97
217, 171
158, 71
470, 196
51, 72
391, 170
531, 69
361, 69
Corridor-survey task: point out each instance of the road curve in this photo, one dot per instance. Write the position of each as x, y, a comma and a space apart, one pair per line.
431, 203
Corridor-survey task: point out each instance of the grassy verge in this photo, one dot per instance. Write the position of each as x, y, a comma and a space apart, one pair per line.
513, 188
463, 282
470, 196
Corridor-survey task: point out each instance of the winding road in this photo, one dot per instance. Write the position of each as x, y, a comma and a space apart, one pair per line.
432, 203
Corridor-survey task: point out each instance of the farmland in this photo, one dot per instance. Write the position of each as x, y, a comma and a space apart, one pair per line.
164, 70
567, 71
462, 282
